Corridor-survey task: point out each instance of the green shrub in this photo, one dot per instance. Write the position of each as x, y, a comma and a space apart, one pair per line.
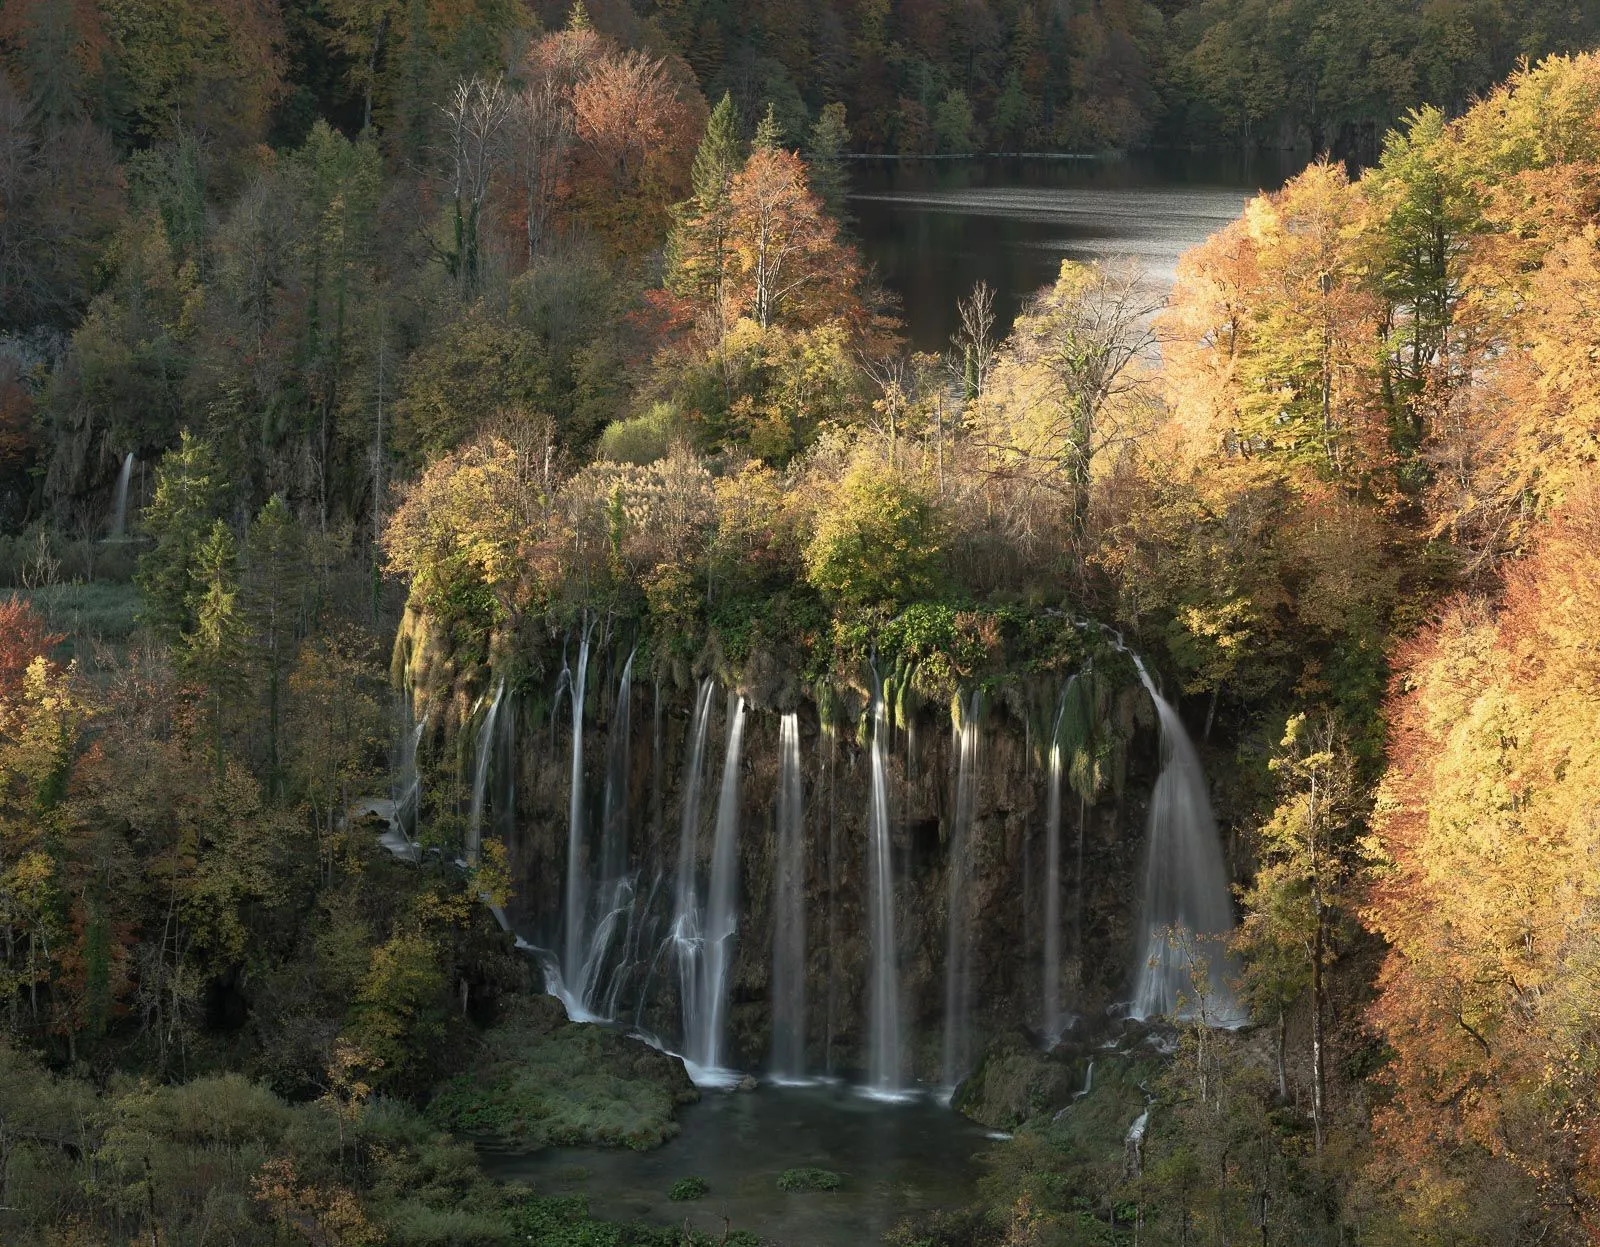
641, 439
807, 1179
688, 1188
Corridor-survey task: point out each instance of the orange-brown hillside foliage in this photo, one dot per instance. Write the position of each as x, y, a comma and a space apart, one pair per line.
1489, 828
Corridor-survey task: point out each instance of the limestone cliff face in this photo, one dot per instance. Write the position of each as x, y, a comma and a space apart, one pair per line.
528, 795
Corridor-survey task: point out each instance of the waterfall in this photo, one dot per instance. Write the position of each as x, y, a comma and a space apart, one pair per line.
722, 909
957, 1056
573, 948
789, 912
614, 826
883, 988
685, 937
480, 776
408, 792
119, 510
1051, 996
1186, 911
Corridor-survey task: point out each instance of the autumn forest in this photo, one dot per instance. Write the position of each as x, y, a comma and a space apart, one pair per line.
509, 659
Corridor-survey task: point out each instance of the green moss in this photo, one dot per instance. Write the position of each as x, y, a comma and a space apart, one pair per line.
808, 1180
543, 1081
688, 1188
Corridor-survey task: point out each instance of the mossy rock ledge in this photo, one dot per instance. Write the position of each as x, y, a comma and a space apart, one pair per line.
542, 1081
1015, 1081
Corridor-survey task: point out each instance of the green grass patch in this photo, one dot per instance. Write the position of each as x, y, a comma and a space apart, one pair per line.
688, 1188
807, 1179
101, 610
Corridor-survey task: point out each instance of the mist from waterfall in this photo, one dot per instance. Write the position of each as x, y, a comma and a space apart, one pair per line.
119, 508
480, 776
1187, 915
574, 944
957, 1051
883, 987
789, 911
1050, 1019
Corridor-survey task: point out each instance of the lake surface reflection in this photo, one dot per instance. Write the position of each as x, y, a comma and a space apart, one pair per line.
894, 1161
934, 227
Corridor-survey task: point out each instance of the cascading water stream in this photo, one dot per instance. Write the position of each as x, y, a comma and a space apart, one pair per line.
685, 936
574, 944
119, 509
957, 1053
722, 910
1051, 1024
789, 912
883, 987
614, 824
480, 776
1186, 912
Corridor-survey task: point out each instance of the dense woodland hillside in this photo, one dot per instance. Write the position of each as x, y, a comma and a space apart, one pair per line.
361, 361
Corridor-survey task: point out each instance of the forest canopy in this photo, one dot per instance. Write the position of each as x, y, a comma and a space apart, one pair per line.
355, 357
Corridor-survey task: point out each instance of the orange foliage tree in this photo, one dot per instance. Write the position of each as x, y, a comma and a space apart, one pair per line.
1487, 896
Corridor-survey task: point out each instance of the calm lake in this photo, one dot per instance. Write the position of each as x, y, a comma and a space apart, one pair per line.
934, 227
893, 1161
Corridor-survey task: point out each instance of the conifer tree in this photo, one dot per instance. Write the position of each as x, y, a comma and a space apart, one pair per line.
829, 138
769, 134
697, 250
274, 585
189, 489
215, 650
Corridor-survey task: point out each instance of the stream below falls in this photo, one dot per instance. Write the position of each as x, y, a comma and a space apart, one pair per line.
894, 1161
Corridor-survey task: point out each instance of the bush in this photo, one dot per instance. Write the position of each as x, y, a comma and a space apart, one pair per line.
641, 439
688, 1188
877, 543
808, 1180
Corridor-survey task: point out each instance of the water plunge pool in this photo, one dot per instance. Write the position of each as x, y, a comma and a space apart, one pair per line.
894, 1161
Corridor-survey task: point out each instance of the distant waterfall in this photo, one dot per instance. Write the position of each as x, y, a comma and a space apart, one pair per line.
408, 789
883, 989
722, 909
480, 776
789, 912
1185, 887
958, 930
119, 509
614, 825
1051, 995
575, 945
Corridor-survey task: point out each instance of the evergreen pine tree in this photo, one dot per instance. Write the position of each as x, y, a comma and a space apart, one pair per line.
216, 650
769, 134
274, 587
189, 490
830, 136
719, 155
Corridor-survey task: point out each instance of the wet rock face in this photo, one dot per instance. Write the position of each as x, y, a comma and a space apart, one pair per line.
1015, 1082
1006, 904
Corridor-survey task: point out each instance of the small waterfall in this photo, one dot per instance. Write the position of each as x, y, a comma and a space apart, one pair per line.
480, 776
789, 912
722, 910
1186, 909
957, 1057
685, 937
575, 945
1051, 996
119, 509
883, 988
614, 825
